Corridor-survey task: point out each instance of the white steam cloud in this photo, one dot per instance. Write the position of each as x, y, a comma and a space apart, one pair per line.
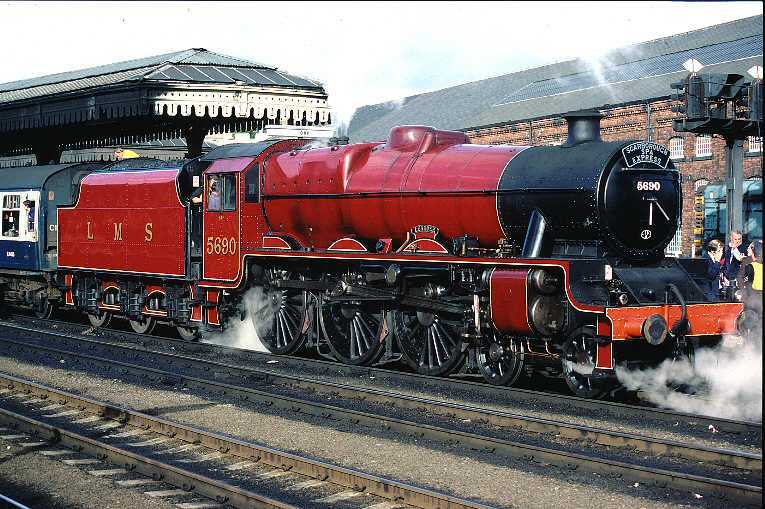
727, 380
258, 315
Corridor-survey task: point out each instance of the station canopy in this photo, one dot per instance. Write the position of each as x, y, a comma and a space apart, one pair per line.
186, 94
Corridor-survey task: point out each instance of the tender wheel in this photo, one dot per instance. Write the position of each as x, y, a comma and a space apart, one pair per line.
44, 309
578, 364
497, 362
354, 331
143, 326
188, 333
280, 315
429, 343
102, 319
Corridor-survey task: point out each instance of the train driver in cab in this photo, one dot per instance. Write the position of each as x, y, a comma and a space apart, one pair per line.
213, 198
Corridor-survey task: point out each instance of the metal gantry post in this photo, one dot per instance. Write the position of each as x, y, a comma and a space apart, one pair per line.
734, 166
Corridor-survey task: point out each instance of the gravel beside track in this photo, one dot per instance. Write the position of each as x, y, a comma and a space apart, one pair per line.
660, 424
215, 465
494, 460
44, 482
513, 484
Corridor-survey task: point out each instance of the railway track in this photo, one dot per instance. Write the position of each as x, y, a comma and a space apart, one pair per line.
450, 386
747, 466
163, 450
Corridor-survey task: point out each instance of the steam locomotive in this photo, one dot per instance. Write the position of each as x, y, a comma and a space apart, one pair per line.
506, 260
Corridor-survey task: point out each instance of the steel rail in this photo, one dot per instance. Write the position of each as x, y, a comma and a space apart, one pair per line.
502, 393
12, 503
169, 473
346, 477
740, 492
610, 438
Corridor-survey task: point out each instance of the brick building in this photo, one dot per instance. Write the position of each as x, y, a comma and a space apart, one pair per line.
630, 86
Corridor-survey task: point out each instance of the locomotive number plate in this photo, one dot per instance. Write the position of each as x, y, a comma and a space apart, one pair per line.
646, 153
221, 245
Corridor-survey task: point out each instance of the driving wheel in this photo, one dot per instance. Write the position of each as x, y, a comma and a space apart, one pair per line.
280, 315
355, 331
429, 342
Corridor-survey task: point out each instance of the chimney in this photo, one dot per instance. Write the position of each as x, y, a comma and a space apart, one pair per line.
582, 126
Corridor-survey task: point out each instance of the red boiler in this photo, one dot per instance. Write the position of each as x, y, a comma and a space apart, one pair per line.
421, 176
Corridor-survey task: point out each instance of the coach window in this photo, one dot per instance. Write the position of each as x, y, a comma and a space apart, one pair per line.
11, 215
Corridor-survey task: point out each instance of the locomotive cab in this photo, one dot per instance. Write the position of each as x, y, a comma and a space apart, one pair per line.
232, 215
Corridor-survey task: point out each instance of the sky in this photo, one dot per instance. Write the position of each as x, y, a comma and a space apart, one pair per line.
363, 52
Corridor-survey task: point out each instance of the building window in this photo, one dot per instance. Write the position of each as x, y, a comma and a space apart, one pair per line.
703, 146
755, 144
675, 247
676, 148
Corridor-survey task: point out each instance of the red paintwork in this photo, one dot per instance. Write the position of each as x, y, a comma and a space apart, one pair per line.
133, 199
222, 266
68, 295
419, 177
246, 225
233, 165
508, 301
213, 297
196, 311
705, 319
270, 242
347, 244
603, 327
425, 246
604, 358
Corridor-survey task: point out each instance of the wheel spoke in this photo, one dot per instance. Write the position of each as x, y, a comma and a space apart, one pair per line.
437, 334
368, 332
289, 317
436, 343
352, 335
364, 331
286, 327
423, 350
357, 336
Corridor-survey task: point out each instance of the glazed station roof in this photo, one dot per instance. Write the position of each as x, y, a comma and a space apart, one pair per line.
183, 94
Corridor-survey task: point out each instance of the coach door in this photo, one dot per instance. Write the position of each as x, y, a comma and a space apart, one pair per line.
221, 225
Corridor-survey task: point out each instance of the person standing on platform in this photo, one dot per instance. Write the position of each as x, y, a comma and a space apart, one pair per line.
752, 291
715, 270
731, 261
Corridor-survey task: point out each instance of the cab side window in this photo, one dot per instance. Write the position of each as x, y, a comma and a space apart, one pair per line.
229, 192
252, 185
11, 215
221, 193
214, 188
